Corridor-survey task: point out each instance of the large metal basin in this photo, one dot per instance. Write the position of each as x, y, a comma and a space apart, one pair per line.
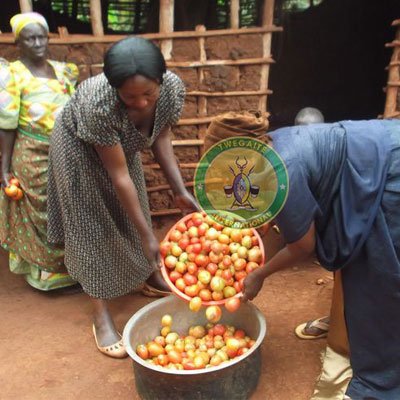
233, 381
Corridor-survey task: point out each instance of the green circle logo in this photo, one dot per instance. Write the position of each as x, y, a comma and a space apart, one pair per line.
241, 183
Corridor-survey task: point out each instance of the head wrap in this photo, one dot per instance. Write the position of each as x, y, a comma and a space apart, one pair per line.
20, 21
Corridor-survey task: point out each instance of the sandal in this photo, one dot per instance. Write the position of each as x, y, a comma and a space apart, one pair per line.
151, 291
318, 324
116, 350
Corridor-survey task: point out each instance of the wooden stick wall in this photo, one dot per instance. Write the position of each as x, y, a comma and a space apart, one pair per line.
392, 105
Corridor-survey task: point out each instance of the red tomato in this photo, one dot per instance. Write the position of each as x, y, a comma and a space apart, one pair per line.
165, 247
189, 279
192, 268
201, 260
205, 295
232, 304
175, 236
174, 275
181, 227
212, 268
183, 243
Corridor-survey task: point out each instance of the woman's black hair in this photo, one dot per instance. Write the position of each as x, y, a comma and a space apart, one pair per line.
133, 56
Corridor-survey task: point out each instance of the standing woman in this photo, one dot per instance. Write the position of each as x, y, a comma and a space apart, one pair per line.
33, 91
98, 207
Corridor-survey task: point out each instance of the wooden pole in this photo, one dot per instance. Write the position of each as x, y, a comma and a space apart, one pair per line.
393, 84
267, 19
25, 6
166, 25
95, 18
235, 10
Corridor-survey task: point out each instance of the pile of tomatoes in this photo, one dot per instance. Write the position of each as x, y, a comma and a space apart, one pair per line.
206, 261
203, 347
13, 189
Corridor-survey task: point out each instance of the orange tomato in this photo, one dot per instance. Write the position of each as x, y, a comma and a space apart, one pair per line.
11, 190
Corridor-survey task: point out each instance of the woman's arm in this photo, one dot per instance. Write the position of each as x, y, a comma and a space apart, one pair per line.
292, 253
7, 139
114, 161
164, 155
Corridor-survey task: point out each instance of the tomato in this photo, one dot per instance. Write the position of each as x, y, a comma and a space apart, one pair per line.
217, 283
240, 264
154, 349
212, 268
217, 295
197, 219
195, 304
176, 250
232, 304
193, 232
213, 313
251, 266
201, 260
175, 236
183, 242
14, 181
229, 291
181, 227
175, 356
171, 338
206, 246
242, 252
165, 247
166, 320
212, 234
197, 248
170, 261
215, 258
202, 228
255, 255
216, 247
11, 190
192, 290
192, 268
236, 235
180, 284
189, 279
204, 277
239, 334
233, 247
180, 267
142, 351
205, 294
222, 238
246, 242
174, 275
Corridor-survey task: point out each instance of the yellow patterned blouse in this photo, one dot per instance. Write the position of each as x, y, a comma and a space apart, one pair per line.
33, 103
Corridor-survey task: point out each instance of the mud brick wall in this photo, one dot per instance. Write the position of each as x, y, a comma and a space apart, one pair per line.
220, 78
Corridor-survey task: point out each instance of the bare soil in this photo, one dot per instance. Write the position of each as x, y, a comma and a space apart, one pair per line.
47, 349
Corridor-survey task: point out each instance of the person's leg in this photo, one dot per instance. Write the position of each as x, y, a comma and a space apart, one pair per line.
106, 332
108, 340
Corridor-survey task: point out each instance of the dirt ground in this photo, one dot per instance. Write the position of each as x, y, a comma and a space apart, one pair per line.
47, 349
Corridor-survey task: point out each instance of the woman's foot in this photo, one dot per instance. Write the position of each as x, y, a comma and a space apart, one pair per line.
108, 340
155, 286
314, 329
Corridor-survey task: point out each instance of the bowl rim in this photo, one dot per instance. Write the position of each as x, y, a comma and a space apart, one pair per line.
132, 353
184, 296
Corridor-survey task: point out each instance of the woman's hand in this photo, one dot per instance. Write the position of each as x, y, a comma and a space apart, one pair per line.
151, 250
253, 284
186, 202
4, 177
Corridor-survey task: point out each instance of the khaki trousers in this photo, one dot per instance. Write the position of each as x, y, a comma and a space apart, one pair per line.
336, 370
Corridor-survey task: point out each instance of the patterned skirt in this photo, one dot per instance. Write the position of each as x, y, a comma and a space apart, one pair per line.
23, 223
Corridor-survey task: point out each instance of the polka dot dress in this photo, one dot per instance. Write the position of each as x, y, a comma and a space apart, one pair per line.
103, 249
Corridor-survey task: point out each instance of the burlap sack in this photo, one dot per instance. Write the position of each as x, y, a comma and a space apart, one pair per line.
245, 123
